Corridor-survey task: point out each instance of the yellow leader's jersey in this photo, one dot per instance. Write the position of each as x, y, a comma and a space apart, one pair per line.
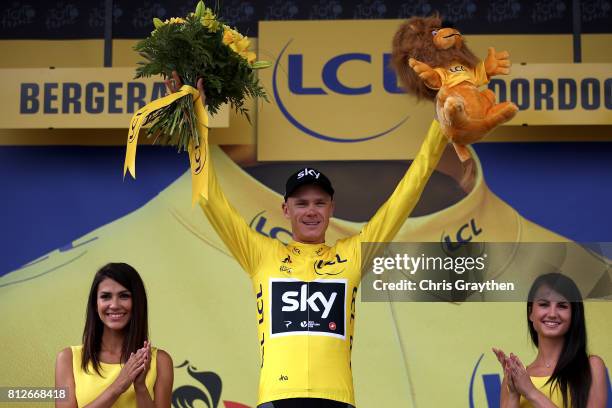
305, 293
457, 73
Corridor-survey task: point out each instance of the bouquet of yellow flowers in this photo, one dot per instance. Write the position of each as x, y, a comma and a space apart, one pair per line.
197, 46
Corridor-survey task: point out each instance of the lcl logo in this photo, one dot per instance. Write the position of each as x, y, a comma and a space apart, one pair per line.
333, 84
329, 75
463, 235
259, 224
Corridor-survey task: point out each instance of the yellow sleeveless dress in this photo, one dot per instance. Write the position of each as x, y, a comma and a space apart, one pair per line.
90, 385
540, 384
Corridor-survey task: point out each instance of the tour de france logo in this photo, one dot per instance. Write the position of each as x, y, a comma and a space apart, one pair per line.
134, 127
206, 394
198, 163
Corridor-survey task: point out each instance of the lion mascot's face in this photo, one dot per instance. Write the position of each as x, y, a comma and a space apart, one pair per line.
446, 38
427, 40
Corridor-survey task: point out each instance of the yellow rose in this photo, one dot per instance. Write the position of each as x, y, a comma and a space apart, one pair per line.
243, 44
211, 24
209, 20
238, 43
228, 37
251, 57
237, 35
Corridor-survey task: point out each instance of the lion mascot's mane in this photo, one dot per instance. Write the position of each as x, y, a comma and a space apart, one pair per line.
413, 39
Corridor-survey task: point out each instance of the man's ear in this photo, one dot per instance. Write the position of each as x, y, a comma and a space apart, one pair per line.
333, 208
285, 208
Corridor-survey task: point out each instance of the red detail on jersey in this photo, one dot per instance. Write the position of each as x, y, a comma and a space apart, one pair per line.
231, 404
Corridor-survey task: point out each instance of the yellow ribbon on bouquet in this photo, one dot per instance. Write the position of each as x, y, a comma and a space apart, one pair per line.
198, 156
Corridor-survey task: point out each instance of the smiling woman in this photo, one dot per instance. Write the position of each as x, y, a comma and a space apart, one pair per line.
563, 374
116, 365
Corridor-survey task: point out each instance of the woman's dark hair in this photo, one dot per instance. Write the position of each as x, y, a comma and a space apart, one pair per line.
573, 370
136, 331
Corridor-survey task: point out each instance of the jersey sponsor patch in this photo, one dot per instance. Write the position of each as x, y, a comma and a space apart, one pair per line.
308, 308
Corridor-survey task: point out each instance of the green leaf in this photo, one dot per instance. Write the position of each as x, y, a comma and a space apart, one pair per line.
158, 23
261, 64
199, 11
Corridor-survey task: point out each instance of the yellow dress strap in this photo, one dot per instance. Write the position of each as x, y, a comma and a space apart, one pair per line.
88, 386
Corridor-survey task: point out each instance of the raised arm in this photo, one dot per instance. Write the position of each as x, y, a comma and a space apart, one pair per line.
243, 242
389, 218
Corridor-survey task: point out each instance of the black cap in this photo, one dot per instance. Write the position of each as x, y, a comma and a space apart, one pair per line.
307, 175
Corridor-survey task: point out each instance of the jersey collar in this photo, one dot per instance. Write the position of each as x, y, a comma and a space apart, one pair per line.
308, 250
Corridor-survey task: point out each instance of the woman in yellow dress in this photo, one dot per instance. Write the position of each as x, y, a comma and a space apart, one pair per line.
116, 365
563, 375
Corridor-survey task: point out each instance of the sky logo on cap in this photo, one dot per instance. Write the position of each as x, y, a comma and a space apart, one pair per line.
308, 172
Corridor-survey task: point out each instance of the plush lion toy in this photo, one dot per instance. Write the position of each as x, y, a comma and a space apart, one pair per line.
433, 62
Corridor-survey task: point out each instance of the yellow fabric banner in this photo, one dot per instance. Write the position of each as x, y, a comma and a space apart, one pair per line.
203, 309
198, 155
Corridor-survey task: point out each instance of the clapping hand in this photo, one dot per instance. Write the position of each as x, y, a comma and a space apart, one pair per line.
520, 377
505, 363
139, 381
132, 369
